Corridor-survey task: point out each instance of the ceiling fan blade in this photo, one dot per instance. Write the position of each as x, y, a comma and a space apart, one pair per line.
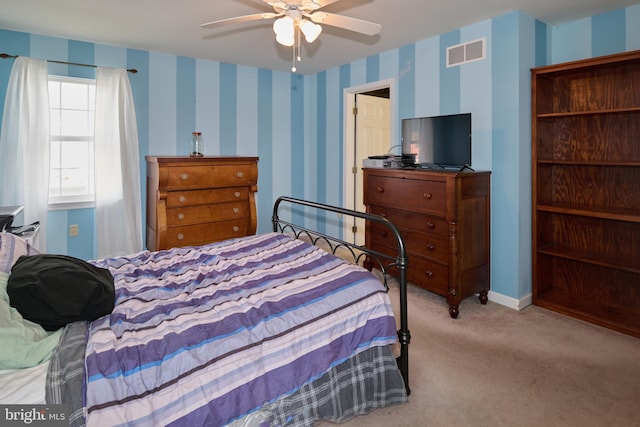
244, 18
306, 5
277, 4
311, 5
346, 22
322, 3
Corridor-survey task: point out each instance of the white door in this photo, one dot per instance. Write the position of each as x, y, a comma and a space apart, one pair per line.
372, 137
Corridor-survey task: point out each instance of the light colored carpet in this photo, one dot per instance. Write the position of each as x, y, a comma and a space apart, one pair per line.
494, 366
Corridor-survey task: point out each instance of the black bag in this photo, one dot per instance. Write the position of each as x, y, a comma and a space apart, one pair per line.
53, 290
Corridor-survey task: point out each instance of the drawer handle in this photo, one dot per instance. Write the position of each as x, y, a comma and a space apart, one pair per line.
380, 189
431, 246
428, 273
236, 228
384, 234
180, 236
184, 176
236, 210
182, 199
181, 216
427, 196
237, 194
240, 174
430, 225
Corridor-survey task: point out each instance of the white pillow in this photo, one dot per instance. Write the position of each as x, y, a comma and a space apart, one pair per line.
24, 344
11, 248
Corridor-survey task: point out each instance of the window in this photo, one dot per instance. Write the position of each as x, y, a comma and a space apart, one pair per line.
72, 115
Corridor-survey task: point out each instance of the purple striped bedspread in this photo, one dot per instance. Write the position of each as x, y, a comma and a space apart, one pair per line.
205, 335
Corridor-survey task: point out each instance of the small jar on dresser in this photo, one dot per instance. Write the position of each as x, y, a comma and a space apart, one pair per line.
198, 200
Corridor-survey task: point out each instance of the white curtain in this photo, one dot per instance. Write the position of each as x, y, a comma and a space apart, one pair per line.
24, 143
117, 166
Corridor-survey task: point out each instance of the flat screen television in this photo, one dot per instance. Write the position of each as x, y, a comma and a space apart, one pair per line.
437, 142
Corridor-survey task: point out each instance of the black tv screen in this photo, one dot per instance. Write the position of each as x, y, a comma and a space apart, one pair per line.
440, 141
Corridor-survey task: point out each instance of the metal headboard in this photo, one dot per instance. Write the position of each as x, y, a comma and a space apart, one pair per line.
360, 253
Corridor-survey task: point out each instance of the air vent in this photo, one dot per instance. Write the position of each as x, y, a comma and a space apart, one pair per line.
466, 52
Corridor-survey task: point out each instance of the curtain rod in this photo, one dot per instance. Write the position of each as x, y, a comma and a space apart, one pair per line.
5, 55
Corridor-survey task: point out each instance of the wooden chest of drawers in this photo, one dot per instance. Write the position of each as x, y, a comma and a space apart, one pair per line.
444, 219
197, 200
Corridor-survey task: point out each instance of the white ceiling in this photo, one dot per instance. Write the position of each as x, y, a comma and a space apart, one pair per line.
173, 26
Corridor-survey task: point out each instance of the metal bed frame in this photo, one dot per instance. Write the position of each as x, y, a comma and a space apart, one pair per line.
363, 254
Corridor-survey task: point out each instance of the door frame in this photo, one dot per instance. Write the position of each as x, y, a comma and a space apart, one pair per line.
349, 101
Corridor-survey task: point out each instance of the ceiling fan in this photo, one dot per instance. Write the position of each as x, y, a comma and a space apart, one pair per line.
301, 17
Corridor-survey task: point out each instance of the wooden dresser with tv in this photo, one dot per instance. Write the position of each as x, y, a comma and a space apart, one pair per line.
197, 200
444, 218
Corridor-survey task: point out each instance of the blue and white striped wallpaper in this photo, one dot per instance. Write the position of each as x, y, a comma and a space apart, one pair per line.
294, 122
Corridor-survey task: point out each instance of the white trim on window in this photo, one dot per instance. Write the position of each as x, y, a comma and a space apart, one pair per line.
65, 205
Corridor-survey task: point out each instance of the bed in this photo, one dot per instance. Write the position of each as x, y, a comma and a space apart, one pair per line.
262, 330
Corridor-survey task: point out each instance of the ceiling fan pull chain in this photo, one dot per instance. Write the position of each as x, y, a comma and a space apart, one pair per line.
293, 59
295, 56
299, 36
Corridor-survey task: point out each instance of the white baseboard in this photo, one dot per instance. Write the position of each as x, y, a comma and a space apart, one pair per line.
516, 304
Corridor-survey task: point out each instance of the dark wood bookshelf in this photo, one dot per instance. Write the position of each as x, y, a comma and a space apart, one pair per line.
586, 190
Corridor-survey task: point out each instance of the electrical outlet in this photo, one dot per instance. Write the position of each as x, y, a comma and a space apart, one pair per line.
73, 230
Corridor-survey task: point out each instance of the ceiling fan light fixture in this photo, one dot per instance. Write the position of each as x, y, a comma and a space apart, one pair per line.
301, 17
285, 31
310, 30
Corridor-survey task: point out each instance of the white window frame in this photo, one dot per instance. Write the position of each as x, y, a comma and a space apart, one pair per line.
73, 201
